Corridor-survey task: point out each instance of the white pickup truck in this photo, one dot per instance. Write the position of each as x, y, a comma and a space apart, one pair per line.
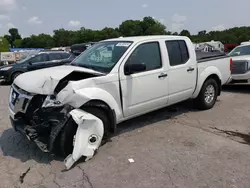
241, 63
73, 108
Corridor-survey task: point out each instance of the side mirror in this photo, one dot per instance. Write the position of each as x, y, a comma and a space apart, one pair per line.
134, 68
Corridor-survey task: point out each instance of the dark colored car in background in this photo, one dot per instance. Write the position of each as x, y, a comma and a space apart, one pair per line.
77, 49
40, 60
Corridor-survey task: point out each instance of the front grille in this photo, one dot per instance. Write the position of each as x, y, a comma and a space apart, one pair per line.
19, 99
239, 67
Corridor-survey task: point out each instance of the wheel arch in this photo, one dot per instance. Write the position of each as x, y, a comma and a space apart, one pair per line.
217, 79
97, 103
210, 72
14, 72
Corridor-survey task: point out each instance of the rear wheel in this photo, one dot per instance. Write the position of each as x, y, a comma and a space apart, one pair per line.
67, 136
208, 95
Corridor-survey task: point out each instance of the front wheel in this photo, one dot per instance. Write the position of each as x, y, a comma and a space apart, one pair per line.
208, 95
14, 75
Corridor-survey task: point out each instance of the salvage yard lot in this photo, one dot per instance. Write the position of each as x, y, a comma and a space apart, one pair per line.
173, 147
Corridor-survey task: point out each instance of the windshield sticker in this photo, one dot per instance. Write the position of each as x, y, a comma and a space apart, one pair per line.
124, 44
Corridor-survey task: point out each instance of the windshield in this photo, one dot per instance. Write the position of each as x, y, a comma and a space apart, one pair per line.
26, 57
103, 56
240, 50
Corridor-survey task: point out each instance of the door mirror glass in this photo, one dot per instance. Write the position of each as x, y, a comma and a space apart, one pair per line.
131, 68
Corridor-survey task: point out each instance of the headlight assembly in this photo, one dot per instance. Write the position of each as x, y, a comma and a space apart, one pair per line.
50, 101
5, 68
248, 65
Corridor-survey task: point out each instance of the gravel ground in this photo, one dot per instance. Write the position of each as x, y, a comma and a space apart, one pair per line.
173, 147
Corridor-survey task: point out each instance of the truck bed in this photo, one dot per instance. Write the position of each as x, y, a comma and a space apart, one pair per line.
208, 56
222, 62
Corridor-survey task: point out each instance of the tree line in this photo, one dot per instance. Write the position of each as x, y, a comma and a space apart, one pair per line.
146, 26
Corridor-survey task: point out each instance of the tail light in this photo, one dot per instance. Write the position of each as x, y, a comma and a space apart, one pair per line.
231, 64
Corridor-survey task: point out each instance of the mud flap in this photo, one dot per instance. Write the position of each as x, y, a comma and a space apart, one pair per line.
88, 137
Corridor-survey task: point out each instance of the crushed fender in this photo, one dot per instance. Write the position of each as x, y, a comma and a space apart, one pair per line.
88, 136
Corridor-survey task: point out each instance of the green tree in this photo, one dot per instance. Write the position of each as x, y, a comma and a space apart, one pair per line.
63, 37
146, 26
13, 35
108, 32
151, 26
38, 41
185, 33
4, 45
18, 43
202, 33
131, 28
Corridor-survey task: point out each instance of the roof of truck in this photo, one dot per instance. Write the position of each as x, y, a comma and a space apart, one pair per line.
142, 38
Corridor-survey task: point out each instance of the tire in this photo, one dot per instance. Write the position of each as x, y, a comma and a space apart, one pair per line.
68, 132
208, 95
14, 75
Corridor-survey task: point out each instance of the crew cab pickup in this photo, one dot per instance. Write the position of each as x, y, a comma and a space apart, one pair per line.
241, 63
72, 108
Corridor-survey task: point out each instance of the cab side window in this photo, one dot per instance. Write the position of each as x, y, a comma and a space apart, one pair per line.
55, 56
39, 58
147, 53
65, 55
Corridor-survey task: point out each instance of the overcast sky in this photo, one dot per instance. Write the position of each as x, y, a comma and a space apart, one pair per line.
43, 16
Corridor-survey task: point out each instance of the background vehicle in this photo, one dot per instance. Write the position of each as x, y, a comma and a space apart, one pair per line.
34, 61
114, 80
77, 49
241, 63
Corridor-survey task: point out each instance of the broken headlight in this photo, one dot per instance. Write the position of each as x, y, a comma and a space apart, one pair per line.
51, 101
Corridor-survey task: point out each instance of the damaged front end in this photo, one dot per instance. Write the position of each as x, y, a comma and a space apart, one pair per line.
41, 118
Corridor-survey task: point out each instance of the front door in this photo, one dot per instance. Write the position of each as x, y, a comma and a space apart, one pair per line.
55, 59
182, 71
147, 90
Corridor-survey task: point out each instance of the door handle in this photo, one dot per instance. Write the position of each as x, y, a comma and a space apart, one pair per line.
190, 69
162, 75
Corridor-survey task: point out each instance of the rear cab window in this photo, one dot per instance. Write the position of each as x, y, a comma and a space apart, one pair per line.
177, 52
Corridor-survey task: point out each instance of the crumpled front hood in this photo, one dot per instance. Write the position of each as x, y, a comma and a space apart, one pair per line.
44, 81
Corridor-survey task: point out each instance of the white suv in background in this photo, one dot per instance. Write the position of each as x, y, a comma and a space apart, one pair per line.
241, 63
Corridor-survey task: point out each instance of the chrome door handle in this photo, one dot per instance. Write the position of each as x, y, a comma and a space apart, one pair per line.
190, 69
162, 75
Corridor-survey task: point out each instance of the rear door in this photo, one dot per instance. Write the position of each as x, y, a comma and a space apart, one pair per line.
38, 62
55, 59
182, 71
